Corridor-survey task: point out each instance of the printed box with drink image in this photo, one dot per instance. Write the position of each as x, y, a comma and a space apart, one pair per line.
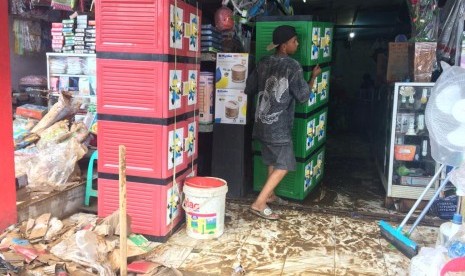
230, 106
231, 70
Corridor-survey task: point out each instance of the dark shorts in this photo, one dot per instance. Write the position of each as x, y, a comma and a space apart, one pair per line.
279, 156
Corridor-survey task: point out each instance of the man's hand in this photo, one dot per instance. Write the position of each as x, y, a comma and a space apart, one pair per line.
315, 72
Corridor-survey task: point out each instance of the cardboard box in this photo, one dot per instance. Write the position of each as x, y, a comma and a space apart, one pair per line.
206, 88
423, 56
230, 106
398, 62
31, 111
415, 180
231, 70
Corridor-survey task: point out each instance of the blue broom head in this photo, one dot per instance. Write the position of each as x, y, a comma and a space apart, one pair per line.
398, 239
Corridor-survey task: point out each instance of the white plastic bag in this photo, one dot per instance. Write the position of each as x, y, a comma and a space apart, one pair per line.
428, 262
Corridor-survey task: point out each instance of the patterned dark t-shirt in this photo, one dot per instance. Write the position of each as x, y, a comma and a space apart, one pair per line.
278, 81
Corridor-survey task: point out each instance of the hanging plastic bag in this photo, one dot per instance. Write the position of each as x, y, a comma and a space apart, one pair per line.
66, 5
425, 21
448, 36
224, 20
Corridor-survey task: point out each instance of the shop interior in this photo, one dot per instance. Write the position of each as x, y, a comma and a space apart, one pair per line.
57, 71
358, 107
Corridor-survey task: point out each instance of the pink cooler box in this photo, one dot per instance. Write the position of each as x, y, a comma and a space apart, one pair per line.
148, 26
155, 210
146, 88
152, 151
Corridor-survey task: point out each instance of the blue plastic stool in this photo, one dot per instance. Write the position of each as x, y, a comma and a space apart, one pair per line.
90, 175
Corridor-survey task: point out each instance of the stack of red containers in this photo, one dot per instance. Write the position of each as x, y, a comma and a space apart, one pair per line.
148, 60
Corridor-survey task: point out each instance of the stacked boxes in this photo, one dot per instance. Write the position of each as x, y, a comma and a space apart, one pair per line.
57, 37
148, 72
205, 97
68, 34
230, 77
90, 37
211, 39
309, 132
79, 34
79, 38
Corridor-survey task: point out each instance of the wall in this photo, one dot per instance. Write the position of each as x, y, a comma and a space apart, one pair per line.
21, 66
351, 62
7, 172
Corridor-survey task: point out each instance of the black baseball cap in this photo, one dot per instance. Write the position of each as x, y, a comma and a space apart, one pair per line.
281, 35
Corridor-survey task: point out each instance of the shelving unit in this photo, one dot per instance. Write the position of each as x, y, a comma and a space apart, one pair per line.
85, 65
411, 166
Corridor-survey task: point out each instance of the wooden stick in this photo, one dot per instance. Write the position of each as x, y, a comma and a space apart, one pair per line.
122, 212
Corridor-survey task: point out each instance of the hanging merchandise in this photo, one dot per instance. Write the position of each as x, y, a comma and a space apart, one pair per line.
449, 34
425, 20
66, 5
224, 20
27, 36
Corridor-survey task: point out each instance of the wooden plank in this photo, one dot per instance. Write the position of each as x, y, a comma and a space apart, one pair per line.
122, 212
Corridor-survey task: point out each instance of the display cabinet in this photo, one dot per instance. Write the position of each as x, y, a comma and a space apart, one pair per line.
411, 166
72, 72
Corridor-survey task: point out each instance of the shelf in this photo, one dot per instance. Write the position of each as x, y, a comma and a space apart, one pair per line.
418, 161
76, 95
29, 18
70, 54
417, 135
208, 57
410, 110
70, 75
205, 127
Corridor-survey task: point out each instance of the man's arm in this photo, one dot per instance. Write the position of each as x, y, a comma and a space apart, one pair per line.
315, 72
300, 87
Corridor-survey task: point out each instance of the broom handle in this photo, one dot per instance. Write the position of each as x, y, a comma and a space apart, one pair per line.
122, 211
431, 201
414, 207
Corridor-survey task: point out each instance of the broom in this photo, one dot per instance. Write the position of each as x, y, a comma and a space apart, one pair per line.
395, 235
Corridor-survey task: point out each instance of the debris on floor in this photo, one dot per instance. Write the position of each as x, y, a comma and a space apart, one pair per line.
79, 245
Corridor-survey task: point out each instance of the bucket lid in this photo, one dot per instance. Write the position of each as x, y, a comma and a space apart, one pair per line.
204, 182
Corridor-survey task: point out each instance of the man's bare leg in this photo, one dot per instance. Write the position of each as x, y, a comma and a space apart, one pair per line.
273, 180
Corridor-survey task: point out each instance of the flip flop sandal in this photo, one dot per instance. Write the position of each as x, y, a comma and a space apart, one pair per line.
278, 201
266, 213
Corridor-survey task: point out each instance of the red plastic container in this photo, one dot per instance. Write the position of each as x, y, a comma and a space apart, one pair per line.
150, 149
190, 98
141, 88
147, 26
155, 210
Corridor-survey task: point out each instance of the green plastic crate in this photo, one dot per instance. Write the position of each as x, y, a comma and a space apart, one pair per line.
320, 93
308, 134
326, 42
297, 184
308, 34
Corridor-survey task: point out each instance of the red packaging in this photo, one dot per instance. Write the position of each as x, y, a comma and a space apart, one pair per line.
32, 111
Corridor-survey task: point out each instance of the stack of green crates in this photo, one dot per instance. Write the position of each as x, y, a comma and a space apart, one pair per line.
309, 133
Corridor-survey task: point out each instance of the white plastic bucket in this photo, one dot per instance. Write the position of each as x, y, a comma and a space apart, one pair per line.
204, 203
